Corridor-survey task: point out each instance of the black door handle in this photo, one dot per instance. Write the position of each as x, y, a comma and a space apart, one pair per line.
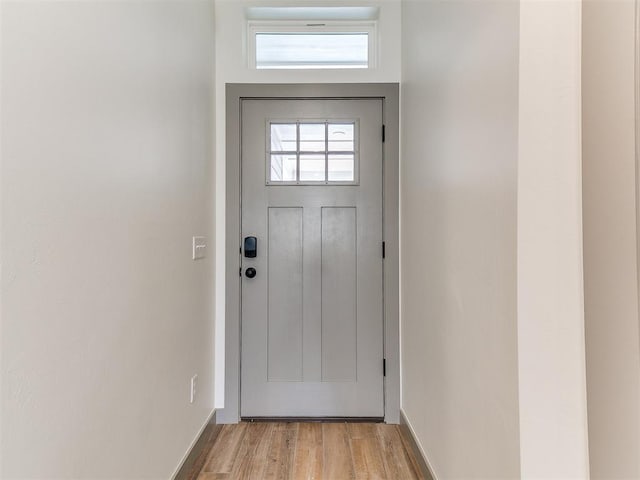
250, 272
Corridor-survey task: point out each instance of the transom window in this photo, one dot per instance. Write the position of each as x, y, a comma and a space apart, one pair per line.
312, 152
317, 45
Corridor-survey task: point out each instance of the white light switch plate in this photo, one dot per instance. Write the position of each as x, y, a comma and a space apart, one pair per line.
199, 248
194, 384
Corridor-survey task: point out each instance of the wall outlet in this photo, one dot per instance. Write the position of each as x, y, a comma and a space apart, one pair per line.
194, 384
199, 248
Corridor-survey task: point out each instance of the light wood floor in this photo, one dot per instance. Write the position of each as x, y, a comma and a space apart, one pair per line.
328, 451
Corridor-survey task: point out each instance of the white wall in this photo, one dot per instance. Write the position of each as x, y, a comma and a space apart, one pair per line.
459, 164
106, 166
492, 306
610, 239
551, 373
232, 67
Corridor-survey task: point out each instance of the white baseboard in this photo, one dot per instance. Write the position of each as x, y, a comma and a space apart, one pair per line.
193, 444
417, 446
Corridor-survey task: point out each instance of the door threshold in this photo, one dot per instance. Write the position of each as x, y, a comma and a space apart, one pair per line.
314, 419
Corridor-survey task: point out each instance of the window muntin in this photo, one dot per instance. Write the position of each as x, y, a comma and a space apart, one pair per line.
303, 45
312, 153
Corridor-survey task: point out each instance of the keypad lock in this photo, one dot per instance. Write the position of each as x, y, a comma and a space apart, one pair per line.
250, 247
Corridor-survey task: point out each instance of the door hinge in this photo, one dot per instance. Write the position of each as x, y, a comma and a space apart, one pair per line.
240, 271
384, 249
384, 134
384, 367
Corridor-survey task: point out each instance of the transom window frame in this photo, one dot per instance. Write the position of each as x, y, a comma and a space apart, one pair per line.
255, 27
326, 152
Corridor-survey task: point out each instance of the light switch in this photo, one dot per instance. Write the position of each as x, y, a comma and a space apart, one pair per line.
199, 247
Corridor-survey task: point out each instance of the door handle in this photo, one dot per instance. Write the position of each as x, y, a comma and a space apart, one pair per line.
250, 272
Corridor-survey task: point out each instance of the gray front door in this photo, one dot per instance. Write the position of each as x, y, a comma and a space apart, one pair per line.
312, 302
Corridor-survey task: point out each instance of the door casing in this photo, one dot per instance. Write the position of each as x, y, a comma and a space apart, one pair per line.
389, 94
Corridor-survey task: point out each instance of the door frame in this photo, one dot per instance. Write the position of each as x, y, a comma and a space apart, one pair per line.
389, 94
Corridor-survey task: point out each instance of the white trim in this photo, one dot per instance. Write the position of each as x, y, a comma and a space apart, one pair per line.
404, 417
637, 140
193, 444
313, 13
389, 94
305, 27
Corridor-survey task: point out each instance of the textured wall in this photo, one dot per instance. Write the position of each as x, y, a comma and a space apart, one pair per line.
551, 349
610, 239
106, 167
458, 190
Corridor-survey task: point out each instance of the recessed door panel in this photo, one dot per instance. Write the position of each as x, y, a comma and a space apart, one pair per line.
339, 294
285, 295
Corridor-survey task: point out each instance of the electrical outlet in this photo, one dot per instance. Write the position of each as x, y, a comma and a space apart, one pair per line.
194, 384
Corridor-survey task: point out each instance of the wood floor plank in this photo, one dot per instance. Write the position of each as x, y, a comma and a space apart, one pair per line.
281, 451
214, 476
396, 459
310, 451
366, 452
308, 458
337, 462
361, 430
225, 449
251, 460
